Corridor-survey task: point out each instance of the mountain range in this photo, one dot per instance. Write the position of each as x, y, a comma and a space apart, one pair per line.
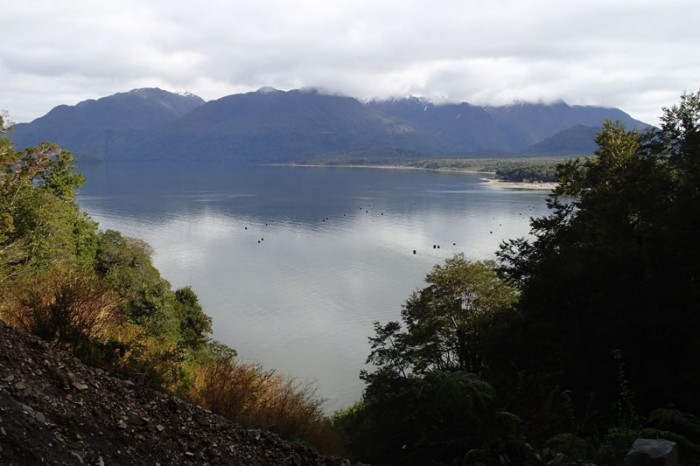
270, 125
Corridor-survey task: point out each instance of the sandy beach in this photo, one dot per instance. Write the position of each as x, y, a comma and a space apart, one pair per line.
519, 185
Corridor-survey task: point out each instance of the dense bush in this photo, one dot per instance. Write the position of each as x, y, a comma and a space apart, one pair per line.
615, 268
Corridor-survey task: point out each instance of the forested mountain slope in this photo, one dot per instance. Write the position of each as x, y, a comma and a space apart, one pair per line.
291, 126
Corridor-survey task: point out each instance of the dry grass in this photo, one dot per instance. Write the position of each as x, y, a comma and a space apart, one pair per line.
250, 395
67, 307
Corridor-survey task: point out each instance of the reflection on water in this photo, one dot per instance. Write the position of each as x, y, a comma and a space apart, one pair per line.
295, 264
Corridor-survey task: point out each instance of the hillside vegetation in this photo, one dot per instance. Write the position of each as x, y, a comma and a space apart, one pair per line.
97, 294
578, 340
575, 341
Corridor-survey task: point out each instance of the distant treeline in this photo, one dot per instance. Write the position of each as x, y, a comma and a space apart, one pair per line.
535, 169
530, 171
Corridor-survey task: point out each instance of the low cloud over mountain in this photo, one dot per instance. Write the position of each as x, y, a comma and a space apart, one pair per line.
285, 126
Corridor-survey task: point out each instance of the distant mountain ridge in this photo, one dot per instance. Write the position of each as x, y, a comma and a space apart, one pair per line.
270, 125
92, 127
579, 136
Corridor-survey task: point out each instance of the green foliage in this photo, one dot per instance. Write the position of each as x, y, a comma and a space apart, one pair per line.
449, 417
669, 424
404, 420
40, 223
545, 409
616, 264
612, 271
194, 323
425, 404
172, 326
126, 264
626, 411
220, 352
47, 248
677, 426
66, 282
528, 171
506, 168
60, 179
676, 421
446, 322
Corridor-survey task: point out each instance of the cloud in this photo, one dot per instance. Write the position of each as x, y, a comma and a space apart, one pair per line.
636, 55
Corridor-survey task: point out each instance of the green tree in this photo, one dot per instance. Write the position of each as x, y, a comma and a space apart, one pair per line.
446, 322
437, 418
425, 402
126, 264
195, 325
96, 293
40, 222
614, 268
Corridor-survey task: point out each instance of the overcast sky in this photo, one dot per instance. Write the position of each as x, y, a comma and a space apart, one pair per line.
638, 55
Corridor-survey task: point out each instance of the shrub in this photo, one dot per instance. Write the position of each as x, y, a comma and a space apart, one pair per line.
74, 309
252, 396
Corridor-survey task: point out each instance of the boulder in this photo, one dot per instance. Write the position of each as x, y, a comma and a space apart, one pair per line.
652, 452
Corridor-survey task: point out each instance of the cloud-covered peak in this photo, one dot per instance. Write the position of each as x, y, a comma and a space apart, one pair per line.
488, 53
267, 90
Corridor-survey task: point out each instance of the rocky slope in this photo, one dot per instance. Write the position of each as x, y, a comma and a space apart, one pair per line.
55, 410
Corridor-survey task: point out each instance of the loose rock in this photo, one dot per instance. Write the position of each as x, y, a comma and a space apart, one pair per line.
111, 421
652, 452
79, 386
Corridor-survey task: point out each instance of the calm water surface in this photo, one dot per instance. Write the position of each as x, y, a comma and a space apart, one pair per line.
294, 264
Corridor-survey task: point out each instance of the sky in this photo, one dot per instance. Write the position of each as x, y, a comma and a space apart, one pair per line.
636, 55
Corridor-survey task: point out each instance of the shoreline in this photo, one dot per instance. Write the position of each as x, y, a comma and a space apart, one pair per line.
491, 181
520, 184
387, 167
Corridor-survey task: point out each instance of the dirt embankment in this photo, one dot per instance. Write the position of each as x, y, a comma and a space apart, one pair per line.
55, 410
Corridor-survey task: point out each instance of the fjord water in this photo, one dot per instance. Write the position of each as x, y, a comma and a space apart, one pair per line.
294, 264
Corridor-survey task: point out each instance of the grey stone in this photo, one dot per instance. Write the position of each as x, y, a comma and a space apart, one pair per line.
26, 408
652, 452
78, 455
